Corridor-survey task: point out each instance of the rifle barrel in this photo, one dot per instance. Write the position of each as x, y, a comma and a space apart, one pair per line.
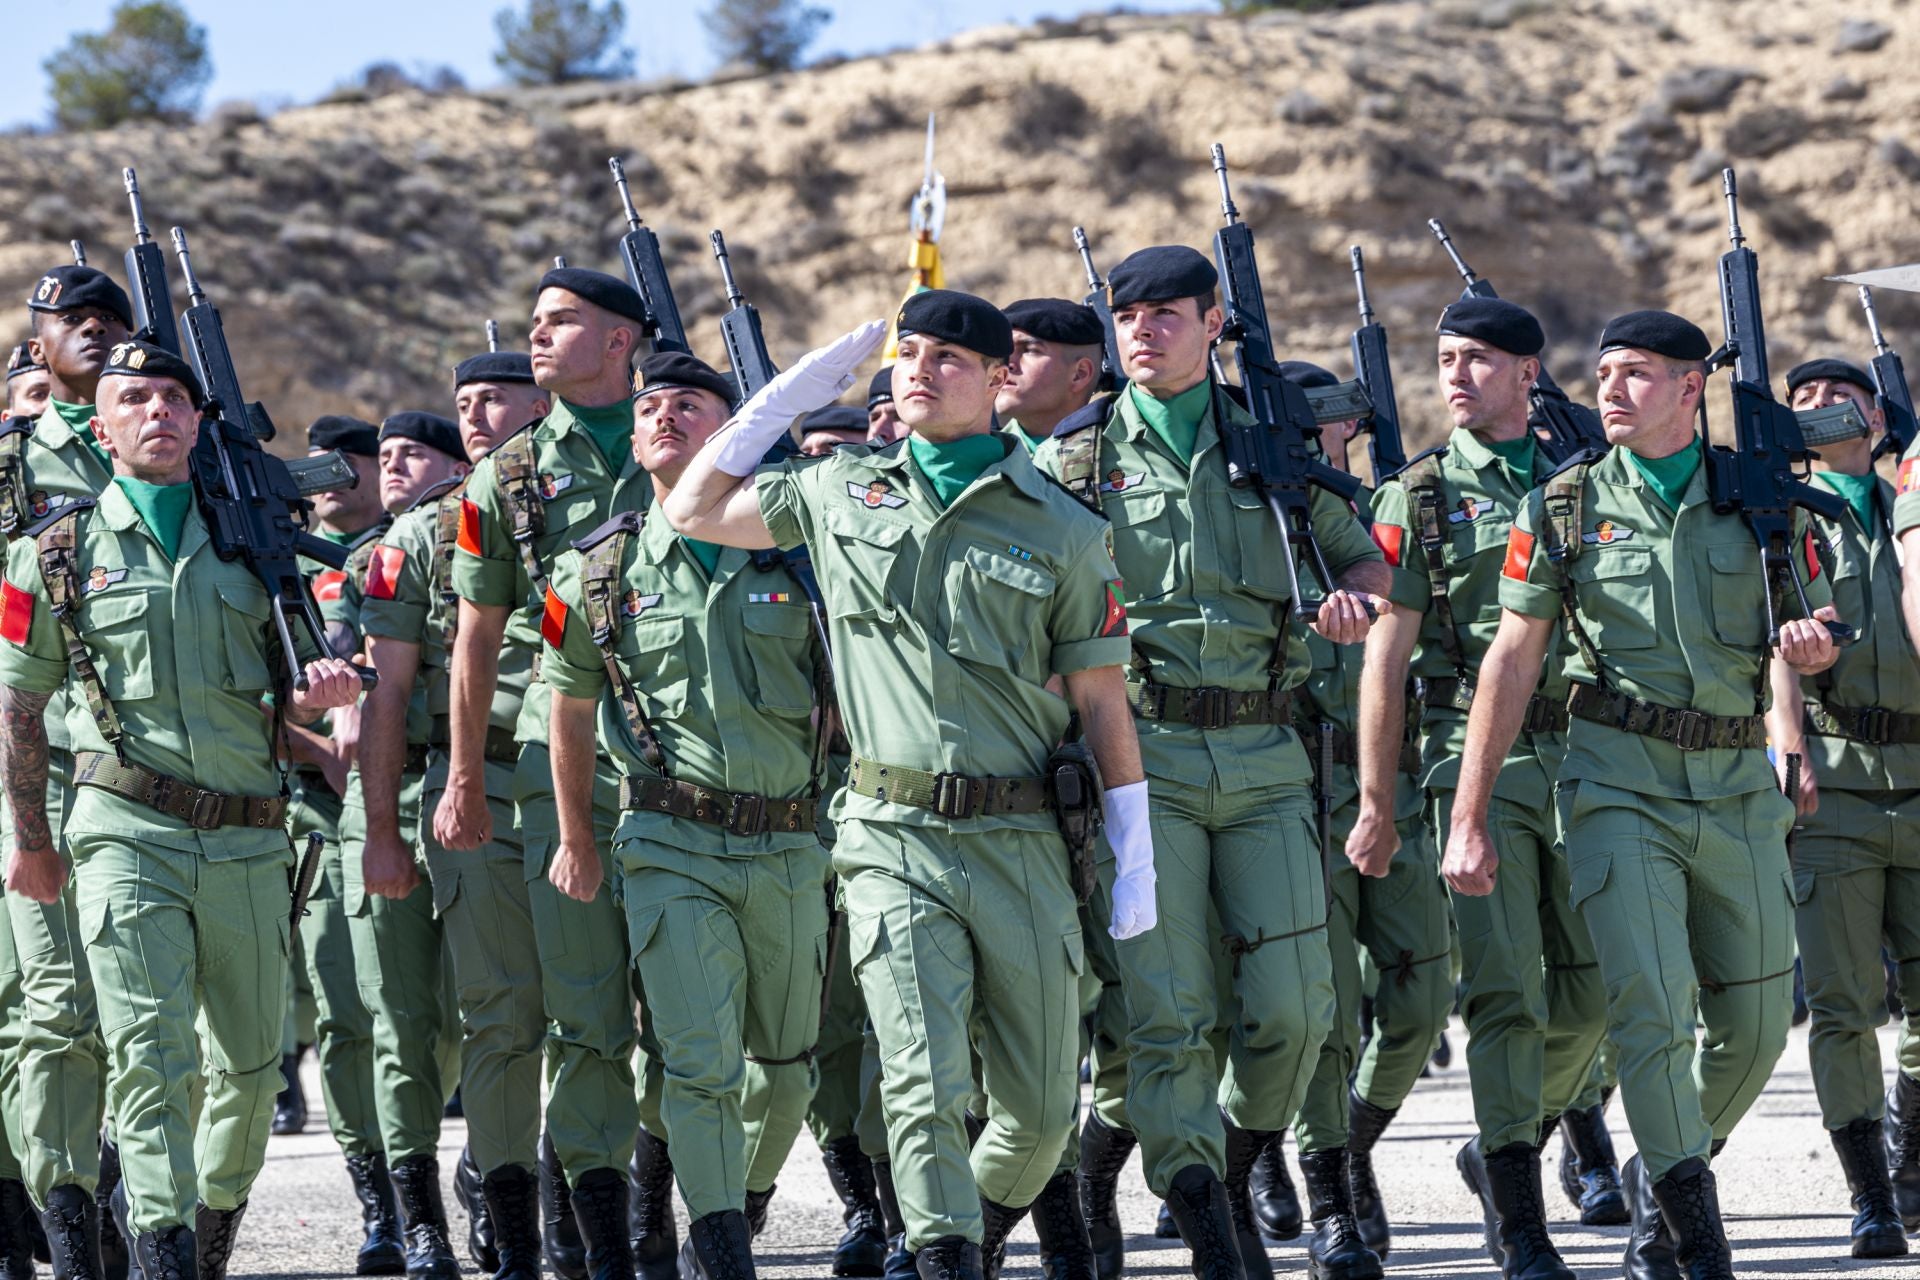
1227, 210
1439, 230
1360, 284
1733, 208
79, 253
734, 296
195, 294
493, 335
1086, 258
1873, 320
626, 195
140, 233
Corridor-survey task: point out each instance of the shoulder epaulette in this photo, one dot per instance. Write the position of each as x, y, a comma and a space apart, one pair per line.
1578, 458
59, 513
1422, 470
17, 426
625, 522
1053, 480
437, 492
374, 534
1091, 414
1421, 460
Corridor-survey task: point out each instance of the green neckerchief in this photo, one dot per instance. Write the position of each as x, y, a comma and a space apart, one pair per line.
1013, 428
162, 508
707, 553
1857, 490
1517, 456
342, 539
611, 427
1175, 421
952, 466
80, 418
1670, 475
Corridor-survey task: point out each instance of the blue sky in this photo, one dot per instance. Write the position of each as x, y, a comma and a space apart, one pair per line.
274, 51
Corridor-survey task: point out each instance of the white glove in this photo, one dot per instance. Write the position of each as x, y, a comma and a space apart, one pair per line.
1130, 832
815, 380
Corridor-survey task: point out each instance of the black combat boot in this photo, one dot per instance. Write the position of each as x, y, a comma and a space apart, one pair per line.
1198, 1202
1903, 1147
216, 1231
1164, 1227
900, 1262
117, 1210
758, 1202
1243, 1148
381, 1252
1691, 1207
719, 1247
1589, 1171
1513, 1181
1649, 1245
559, 1233
72, 1222
168, 1255
654, 1239
602, 1206
1473, 1172
949, 1258
290, 1107
512, 1197
1065, 1251
16, 1241
862, 1250
1877, 1232
1276, 1205
1103, 1153
997, 1222
468, 1194
116, 1250
1365, 1124
1335, 1250
423, 1218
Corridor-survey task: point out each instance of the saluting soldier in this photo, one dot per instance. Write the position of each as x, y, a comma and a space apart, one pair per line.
28, 384
180, 860
1534, 1005
1210, 689
1674, 828
1856, 849
959, 582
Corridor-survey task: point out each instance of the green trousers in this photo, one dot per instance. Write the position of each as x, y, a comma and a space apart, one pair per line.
1690, 904
1601, 1078
1856, 886
1250, 859
1533, 998
187, 954
480, 899
587, 979
13, 1023
834, 1112
954, 935
732, 955
1400, 921
397, 958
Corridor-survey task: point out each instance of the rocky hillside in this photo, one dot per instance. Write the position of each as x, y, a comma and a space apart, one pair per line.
1573, 149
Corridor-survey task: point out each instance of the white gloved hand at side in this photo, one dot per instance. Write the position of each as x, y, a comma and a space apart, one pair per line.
1130, 833
815, 381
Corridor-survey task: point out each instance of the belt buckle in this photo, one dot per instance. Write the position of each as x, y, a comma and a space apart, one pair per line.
747, 815
1873, 725
1690, 729
1207, 707
207, 806
952, 797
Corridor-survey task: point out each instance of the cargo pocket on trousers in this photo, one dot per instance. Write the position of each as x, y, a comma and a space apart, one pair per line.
1588, 876
446, 888
665, 1018
104, 951
543, 902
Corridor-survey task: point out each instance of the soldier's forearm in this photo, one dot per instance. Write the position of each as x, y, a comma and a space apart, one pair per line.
1507, 677
1100, 696
1784, 718
1910, 583
570, 739
383, 732
1381, 720
1370, 576
476, 674
23, 764
708, 504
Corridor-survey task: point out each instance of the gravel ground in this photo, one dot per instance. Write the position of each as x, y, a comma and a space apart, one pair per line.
1781, 1190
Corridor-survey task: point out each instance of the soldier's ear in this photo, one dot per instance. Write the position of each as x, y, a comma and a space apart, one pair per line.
34, 349
1530, 370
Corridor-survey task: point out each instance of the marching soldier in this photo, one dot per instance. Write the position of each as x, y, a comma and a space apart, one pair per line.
1209, 687
1856, 850
883, 420
1055, 369
1674, 829
959, 581
181, 862
28, 384
1533, 1003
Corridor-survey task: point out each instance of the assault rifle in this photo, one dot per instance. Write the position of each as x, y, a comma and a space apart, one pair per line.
147, 277
1274, 453
1889, 386
1761, 476
1375, 372
740, 331
254, 509
1569, 428
1097, 299
647, 272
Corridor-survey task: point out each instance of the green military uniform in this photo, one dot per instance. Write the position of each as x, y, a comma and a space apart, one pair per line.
947, 620
722, 874
1233, 828
551, 483
1668, 606
1856, 860
62, 1059
1533, 1002
181, 922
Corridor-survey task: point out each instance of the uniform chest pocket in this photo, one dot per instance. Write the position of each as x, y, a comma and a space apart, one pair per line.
866, 550
1263, 567
996, 608
777, 638
1143, 546
245, 616
1737, 593
1614, 587
115, 627
1472, 542
650, 652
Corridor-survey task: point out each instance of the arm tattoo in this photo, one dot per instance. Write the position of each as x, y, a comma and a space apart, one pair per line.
23, 763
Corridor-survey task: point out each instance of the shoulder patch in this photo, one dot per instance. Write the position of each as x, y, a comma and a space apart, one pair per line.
16, 613
382, 579
625, 522
468, 538
1388, 537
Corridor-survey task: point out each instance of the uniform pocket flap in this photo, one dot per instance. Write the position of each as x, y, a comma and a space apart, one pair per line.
1021, 577
1126, 510
245, 598
1741, 557
1613, 562
645, 634
864, 526
1588, 877
787, 621
106, 610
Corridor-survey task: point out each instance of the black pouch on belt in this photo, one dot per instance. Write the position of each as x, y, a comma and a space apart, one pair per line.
1074, 778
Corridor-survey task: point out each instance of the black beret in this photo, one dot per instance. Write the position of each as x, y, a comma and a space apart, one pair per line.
880, 387
1661, 332
835, 417
610, 293
1494, 321
666, 369
136, 359
1160, 272
349, 435
1303, 373
1831, 369
959, 318
1073, 324
69, 287
21, 361
494, 366
430, 429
